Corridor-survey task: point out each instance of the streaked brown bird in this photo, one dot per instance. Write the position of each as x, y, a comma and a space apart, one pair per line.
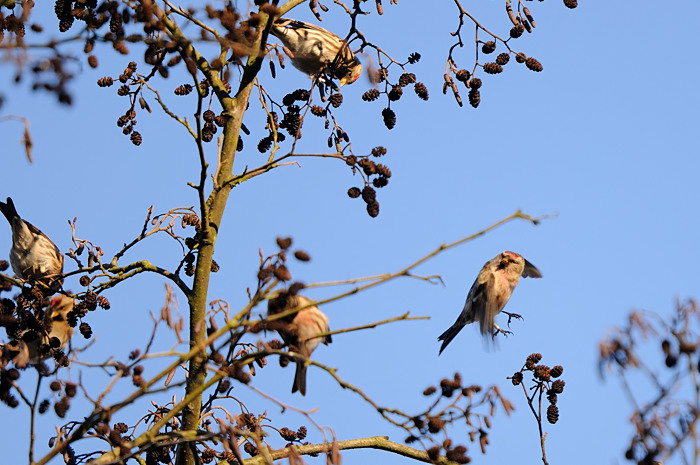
52, 335
490, 293
315, 50
33, 256
300, 331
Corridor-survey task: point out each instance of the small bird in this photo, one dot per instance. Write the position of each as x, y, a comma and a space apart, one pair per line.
315, 50
33, 256
52, 335
490, 293
300, 331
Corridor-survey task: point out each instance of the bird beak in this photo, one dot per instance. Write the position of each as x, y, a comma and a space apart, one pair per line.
343, 81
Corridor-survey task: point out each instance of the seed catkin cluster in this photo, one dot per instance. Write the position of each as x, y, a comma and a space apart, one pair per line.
394, 91
376, 174
456, 404
544, 381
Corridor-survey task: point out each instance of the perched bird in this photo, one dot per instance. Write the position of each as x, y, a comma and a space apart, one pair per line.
51, 335
33, 256
490, 293
314, 50
299, 331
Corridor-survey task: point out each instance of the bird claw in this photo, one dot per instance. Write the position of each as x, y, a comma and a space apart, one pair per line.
511, 316
498, 330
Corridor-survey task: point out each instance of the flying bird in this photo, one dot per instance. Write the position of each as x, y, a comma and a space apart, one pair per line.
490, 293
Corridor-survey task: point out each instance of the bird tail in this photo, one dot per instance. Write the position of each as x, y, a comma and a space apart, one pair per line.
448, 335
300, 378
8, 209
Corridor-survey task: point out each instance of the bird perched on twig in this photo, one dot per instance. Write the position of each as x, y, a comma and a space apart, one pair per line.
490, 293
51, 335
315, 50
33, 256
299, 331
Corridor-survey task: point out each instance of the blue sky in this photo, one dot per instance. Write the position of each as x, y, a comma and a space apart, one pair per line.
605, 137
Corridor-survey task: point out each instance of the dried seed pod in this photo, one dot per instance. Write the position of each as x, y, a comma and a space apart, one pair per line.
370, 95
413, 58
336, 100
264, 144
517, 31
378, 151
493, 68
183, 89
529, 17
450, 82
406, 79
503, 59
511, 15
474, 97
463, 75
283, 242
389, 118
395, 93
488, 47
558, 386
533, 64
421, 91
373, 209
136, 138
517, 378
318, 111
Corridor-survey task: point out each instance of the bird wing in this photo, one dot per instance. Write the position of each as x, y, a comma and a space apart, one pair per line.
473, 308
34, 229
294, 24
282, 26
289, 337
485, 305
530, 271
38, 231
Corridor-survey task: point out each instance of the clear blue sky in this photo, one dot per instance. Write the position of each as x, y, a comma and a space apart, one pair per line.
605, 137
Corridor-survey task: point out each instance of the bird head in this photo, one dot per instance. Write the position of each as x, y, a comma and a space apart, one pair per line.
519, 265
352, 72
61, 304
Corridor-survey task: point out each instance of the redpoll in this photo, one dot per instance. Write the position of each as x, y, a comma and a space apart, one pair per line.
52, 335
300, 331
314, 50
490, 293
33, 256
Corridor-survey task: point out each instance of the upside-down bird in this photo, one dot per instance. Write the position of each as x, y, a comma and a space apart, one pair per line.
315, 50
51, 334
